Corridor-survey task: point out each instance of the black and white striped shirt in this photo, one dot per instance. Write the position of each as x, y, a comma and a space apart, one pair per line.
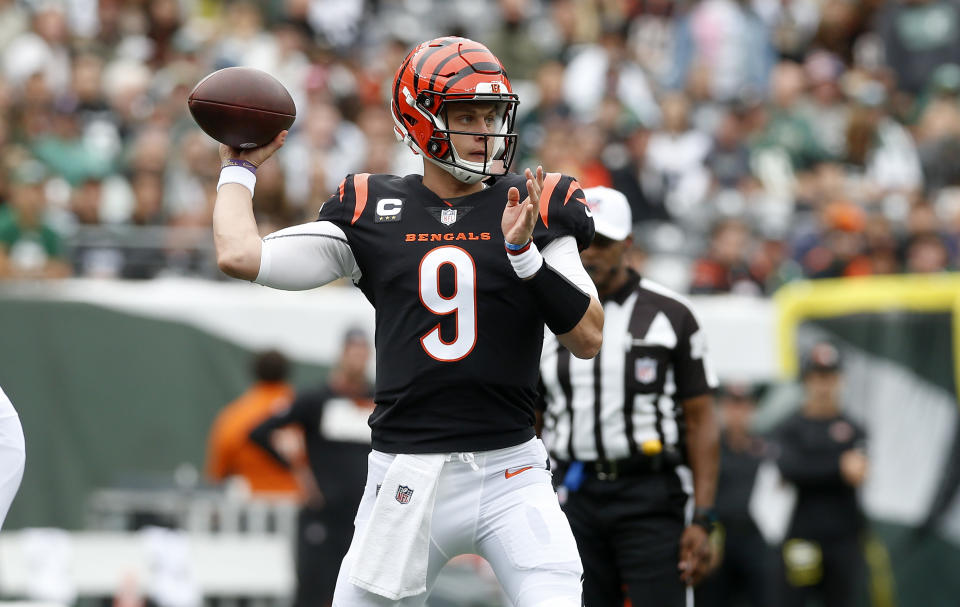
652, 359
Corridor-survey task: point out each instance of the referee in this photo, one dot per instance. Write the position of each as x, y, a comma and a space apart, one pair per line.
633, 431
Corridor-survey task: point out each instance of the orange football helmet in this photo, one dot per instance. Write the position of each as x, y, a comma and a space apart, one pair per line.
447, 70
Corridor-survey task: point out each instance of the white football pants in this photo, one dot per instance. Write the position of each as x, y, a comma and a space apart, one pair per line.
505, 511
12, 459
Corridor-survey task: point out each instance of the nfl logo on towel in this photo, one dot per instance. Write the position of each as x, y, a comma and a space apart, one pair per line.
404, 494
448, 216
646, 370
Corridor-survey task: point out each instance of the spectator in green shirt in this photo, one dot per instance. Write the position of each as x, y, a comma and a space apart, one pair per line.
29, 248
786, 128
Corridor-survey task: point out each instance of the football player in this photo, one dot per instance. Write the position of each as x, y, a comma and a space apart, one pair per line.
12, 454
463, 275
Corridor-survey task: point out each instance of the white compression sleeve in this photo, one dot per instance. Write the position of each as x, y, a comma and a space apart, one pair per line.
563, 256
306, 256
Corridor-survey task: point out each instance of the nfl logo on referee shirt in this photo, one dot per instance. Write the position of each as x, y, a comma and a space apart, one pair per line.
448, 216
404, 494
645, 370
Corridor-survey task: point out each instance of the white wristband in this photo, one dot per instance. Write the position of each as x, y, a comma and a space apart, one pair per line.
528, 263
240, 175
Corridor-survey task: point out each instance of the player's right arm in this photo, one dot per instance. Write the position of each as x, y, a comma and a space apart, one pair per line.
295, 258
235, 234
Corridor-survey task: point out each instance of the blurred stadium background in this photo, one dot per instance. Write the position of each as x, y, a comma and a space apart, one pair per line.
794, 165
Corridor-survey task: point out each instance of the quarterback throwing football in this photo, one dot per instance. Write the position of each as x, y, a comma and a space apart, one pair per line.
463, 275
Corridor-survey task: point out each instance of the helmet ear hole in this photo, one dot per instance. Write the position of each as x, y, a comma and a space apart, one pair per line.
438, 148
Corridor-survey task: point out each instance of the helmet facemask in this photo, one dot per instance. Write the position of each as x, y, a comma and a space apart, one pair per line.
500, 141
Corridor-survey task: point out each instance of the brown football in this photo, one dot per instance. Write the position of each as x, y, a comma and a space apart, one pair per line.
241, 106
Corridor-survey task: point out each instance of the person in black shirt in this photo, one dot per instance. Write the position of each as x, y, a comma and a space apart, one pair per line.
464, 271
633, 431
744, 574
333, 418
821, 451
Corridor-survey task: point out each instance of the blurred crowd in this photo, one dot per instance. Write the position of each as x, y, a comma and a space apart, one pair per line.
758, 141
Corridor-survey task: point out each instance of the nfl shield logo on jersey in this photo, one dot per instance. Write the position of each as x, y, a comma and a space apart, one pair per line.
645, 370
404, 494
448, 216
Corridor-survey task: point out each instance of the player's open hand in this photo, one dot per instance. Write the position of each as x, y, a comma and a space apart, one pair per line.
256, 155
694, 555
519, 218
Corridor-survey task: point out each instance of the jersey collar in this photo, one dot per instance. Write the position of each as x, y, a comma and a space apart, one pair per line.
417, 181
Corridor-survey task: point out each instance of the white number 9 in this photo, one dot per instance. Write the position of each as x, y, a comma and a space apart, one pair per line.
463, 302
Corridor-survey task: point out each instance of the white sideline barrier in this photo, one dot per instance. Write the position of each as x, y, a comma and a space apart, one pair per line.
740, 329
222, 565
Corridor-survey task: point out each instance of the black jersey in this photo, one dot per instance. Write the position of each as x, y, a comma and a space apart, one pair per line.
458, 336
809, 456
337, 442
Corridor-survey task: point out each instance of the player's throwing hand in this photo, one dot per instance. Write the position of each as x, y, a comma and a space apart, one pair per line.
519, 218
256, 156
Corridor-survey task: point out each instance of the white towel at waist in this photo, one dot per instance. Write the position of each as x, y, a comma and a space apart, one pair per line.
391, 559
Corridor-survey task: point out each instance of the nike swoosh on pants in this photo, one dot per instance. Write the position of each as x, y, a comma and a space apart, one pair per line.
508, 474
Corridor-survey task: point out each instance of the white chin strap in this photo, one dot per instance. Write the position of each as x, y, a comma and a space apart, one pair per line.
460, 173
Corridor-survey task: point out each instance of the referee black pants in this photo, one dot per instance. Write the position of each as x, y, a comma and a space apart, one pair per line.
628, 533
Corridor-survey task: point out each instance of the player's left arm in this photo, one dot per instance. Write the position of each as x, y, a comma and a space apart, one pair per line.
563, 256
575, 317
585, 339
695, 383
